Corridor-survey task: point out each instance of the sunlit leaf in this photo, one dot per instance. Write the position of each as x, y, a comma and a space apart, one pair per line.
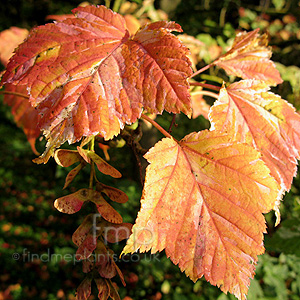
264, 120
24, 115
86, 75
203, 203
195, 47
132, 24
249, 58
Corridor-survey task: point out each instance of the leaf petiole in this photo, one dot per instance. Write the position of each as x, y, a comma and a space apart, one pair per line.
206, 85
14, 94
208, 93
201, 70
158, 127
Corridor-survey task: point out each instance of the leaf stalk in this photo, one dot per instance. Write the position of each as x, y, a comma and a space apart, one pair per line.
14, 94
157, 126
206, 85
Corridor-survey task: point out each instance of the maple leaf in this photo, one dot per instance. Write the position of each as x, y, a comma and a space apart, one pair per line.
24, 115
263, 120
203, 202
86, 75
249, 58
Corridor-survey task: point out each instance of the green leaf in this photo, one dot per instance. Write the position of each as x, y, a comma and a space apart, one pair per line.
286, 239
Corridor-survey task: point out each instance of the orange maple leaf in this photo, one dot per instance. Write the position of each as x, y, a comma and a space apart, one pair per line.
263, 120
24, 115
249, 58
203, 202
87, 76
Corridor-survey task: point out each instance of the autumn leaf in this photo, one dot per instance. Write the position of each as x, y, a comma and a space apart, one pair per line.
16, 96
86, 75
203, 203
59, 17
263, 120
249, 58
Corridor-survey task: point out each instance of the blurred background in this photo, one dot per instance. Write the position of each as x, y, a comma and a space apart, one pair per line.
34, 236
